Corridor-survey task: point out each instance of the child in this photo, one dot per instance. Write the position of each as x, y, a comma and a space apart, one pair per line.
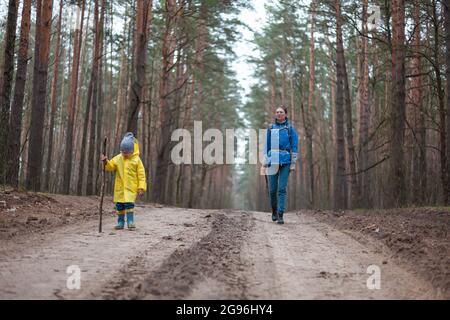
130, 179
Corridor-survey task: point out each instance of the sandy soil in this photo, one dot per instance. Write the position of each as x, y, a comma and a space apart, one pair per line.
207, 254
23, 213
307, 259
417, 238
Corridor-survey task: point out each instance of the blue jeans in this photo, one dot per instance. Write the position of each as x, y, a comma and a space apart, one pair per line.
277, 187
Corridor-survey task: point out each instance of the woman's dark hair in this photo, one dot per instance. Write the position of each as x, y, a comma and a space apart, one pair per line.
283, 107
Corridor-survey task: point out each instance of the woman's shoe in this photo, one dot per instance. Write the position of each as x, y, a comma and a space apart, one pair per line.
280, 218
274, 214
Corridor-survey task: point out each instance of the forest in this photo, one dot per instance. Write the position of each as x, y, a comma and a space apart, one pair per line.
366, 85
114, 184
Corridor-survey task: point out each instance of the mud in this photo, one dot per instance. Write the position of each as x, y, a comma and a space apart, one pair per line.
211, 264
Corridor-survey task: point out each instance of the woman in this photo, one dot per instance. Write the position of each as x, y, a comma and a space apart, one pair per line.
280, 156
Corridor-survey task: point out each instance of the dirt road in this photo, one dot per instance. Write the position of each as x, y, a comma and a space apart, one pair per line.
202, 254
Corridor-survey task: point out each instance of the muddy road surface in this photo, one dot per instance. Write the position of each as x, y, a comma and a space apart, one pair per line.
206, 254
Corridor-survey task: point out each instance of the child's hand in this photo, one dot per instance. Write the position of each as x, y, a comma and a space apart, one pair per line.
103, 158
140, 192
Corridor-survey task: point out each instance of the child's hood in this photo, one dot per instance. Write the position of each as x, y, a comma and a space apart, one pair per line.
136, 148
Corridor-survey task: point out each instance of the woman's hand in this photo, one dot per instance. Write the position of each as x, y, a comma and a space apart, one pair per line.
103, 158
140, 192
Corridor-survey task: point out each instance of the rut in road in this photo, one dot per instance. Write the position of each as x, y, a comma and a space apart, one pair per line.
211, 268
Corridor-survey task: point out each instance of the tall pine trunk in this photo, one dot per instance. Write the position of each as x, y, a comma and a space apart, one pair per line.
446, 4
42, 48
100, 120
82, 114
72, 101
164, 107
143, 12
15, 122
53, 100
308, 122
354, 192
396, 184
419, 150
6, 82
94, 87
441, 104
364, 182
340, 187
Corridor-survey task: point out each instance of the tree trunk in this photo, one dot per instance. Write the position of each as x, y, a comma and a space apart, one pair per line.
446, 4
60, 137
81, 114
283, 78
364, 182
419, 151
92, 103
143, 17
442, 110
42, 48
72, 101
340, 196
15, 124
53, 99
273, 86
6, 82
396, 184
308, 121
100, 119
164, 107
121, 92
354, 194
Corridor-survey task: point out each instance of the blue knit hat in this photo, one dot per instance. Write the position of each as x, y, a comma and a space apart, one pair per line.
127, 143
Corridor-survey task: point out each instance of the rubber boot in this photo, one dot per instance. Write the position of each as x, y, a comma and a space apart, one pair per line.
120, 221
274, 214
130, 220
280, 218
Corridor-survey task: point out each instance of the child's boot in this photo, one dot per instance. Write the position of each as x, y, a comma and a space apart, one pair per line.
130, 220
120, 221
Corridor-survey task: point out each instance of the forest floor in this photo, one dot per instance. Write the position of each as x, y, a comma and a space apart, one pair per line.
178, 253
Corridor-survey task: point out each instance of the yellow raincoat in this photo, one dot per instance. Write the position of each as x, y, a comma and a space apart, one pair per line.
130, 176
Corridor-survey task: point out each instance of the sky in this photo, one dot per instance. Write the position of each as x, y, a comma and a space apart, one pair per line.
244, 48
255, 19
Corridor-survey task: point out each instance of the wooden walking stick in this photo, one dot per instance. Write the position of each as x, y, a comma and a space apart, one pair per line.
102, 189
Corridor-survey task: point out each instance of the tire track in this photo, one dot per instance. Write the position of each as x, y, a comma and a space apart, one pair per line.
215, 259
